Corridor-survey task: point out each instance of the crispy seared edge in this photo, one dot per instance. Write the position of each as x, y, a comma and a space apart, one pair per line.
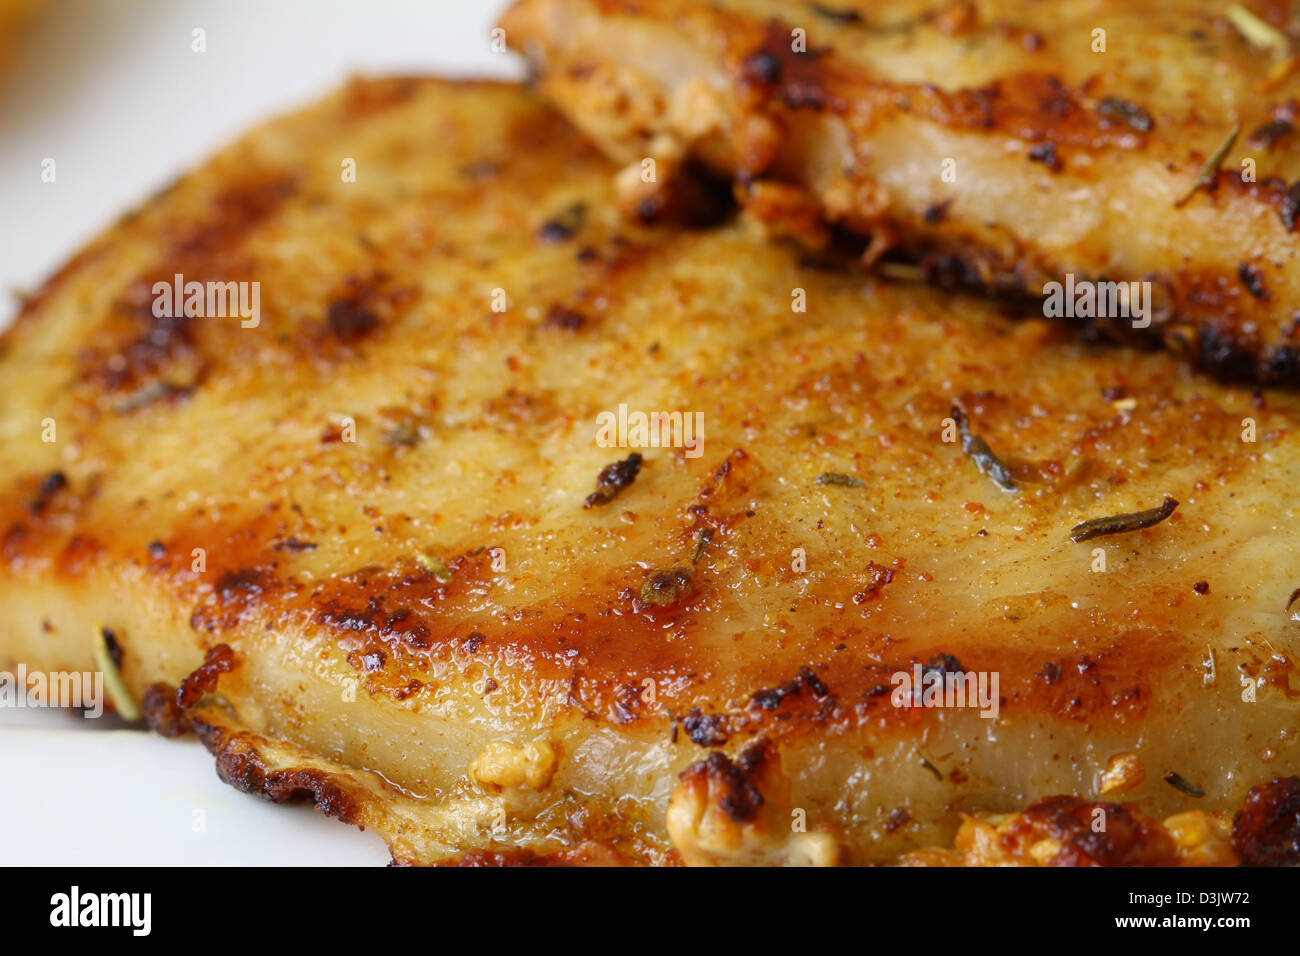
724, 811
757, 110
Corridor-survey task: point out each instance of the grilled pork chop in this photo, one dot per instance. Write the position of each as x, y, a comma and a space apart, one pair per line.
1003, 144
397, 541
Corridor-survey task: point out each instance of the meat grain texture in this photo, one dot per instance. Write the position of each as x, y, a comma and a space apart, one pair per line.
996, 144
348, 546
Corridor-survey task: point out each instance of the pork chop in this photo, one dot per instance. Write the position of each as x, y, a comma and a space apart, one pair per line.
423, 536
1126, 166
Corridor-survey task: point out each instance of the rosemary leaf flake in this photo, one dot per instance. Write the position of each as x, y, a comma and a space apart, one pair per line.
978, 450
1257, 32
835, 478
701, 542
115, 687
1178, 783
1115, 524
1211, 168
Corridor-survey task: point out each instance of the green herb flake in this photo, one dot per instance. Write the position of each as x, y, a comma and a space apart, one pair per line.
1132, 115
835, 15
1115, 524
1210, 171
1179, 783
1257, 32
835, 478
123, 703
978, 450
701, 542
441, 573
406, 435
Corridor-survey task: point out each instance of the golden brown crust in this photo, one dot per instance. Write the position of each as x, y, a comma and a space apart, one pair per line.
1266, 831
1069, 831
432, 596
1063, 156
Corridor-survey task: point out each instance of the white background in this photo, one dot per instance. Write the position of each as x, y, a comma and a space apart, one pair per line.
112, 91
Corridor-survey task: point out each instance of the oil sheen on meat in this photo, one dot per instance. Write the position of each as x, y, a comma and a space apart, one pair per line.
369, 546
1000, 144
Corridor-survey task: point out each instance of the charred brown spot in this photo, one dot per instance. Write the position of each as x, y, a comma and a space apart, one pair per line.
154, 353
50, 486
1115, 109
239, 587
350, 320
697, 198
294, 545
235, 213
565, 225
162, 713
154, 345
1254, 282
877, 577
614, 478
240, 765
563, 317
937, 212
1045, 153
1289, 206
771, 698
1266, 831
734, 783
398, 607
1271, 133
762, 67
1127, 839
377, 619
219, 660
943, 664
665, 588
795, 78
707, 730
896, 819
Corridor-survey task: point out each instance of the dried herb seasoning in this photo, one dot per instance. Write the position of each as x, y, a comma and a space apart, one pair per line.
1116, 524
835, 478
1177, 781
1210, 170
1129, 113
978, 450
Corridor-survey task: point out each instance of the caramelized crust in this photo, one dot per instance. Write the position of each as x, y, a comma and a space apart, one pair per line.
999, 144
351, 541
